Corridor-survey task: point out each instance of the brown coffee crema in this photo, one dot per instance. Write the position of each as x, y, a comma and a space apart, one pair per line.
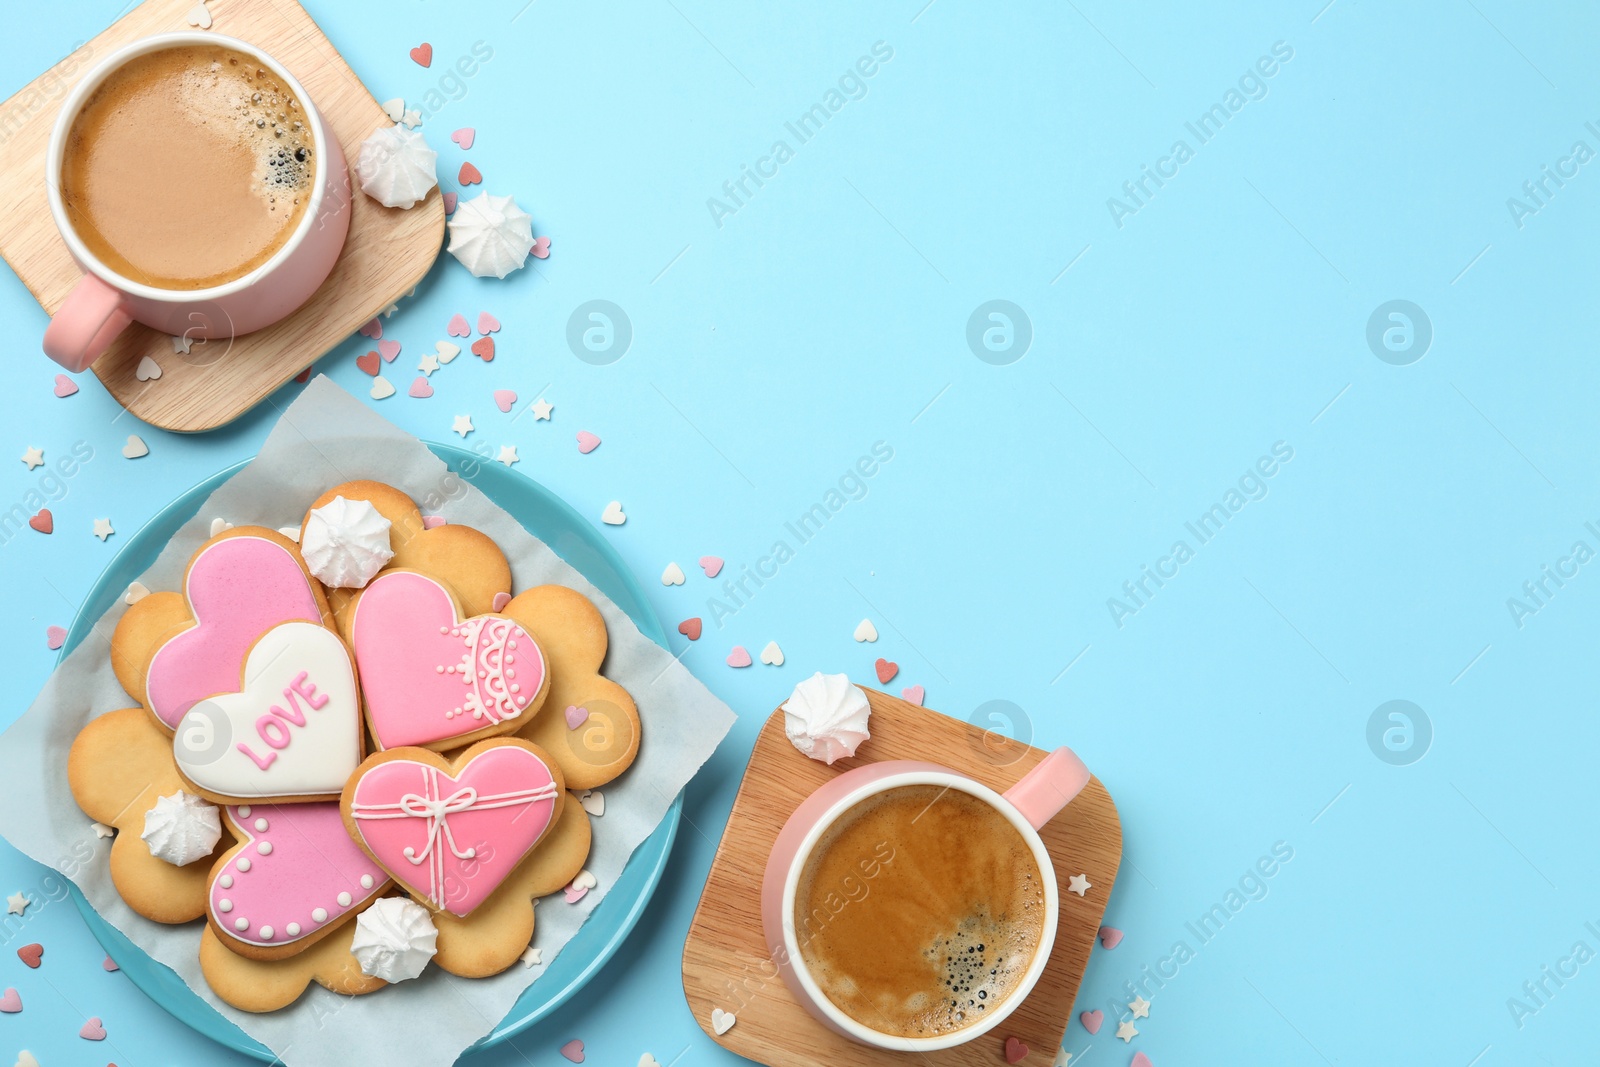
188, 167
920, 911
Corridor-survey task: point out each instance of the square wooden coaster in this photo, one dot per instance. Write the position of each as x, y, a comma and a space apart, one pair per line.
387, 253
726, 964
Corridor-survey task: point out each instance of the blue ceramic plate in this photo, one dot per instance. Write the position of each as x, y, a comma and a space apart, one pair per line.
549, 519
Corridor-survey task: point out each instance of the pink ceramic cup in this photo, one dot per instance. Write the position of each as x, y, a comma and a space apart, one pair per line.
1028, 805
103, 303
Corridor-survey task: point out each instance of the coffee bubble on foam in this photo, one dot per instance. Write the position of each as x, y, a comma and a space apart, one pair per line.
269, 122
981, 964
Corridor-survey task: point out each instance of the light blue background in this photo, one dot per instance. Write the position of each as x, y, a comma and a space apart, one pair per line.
1227, 314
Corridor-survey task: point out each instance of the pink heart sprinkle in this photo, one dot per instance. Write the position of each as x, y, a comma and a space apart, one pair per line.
913, 694
93, 1030
433, 522
65, 386
1140, 1060
464, 137
388, 350
574, 895
420, 388
373, 329
487, 323
458, 327
587, 442
712, 565
110, 964
1110, 937
55, 637
573, 1050
576, 716
449, 203
11, 1003
500, 601
739, 657
1092, 1020
505, 399
541, 248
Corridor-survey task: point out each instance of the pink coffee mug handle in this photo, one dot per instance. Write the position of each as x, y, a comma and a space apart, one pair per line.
1047, 788
86, 324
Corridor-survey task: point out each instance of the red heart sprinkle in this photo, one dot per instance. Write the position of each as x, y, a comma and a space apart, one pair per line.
886, 669
44, 522
469, 175
483, 348
422, 55
30, 954
1016, 1051
369, 363
304, 376
690, 628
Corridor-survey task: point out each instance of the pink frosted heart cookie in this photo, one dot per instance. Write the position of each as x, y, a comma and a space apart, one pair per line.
238, 586
433, 679
294, 876
450, 831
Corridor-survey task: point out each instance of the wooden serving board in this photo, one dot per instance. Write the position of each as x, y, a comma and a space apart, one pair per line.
726, 964
387, 253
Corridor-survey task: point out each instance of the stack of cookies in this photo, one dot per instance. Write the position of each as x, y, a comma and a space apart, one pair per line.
356, 753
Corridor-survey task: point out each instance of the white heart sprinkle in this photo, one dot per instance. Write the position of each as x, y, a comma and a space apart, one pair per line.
585, 880
395, 109
148, 370
291, 532
25, 1059
673, 575
446, 351
135, 447
199, 16
135, 593
381, 389
612, 515
865, 631
772, 654
722, 1021
593, 802
219, 526
648, 1060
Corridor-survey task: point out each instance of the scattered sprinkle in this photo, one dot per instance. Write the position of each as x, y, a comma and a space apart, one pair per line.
428, 364
381, 388
388, 350
886, 669
1140, 1060
17, 903
690, 628
508, 455
865, 631
93, 1030
672, 575
1127, 1031
422, 55
501, 599
31, 954
573, 1050
505, 399
135, 448
65, 386
1079, 884
148, 370
102, 529
613, 514
487, 323
739, 657
54, 637
593, 801
44, 521
462, 425
772, 655
181, 344
576, 716
219, 526
1140, 1008
1092, 1020
1110, 937
433, 522
108, 963
464, 137
102, 831
421, 389
198, 16
468, 175
449, 202
483, 348
374, 326
136, 592
1016, 1051
395, 109
369, 363
11, 1003
541, 410
913, 694
541, 248
579, 887
712, 565
722, 1021
33, 457
532, 957
291, 532
458, 326
587, 442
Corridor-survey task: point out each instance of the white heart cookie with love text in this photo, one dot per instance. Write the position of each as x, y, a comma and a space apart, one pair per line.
294, 729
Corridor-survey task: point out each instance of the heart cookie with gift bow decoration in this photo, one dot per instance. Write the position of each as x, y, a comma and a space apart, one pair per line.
434, 679
171, 651
451, 831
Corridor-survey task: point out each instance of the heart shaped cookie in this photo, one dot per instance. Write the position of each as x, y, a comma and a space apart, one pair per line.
292, 731
294, 877
451, 831
238, 586
434, 679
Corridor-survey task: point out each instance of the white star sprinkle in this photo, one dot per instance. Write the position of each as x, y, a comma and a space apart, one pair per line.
1140, 1008
508, 455
102, 528
429, 364
1079, 884
540, 409
102, 830
16, 904
180, 344
1063, 1057
532, 957
392, 308
463, 424
1126, 1031
33, 457
411, 119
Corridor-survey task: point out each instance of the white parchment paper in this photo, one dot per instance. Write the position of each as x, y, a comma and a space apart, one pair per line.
325, 437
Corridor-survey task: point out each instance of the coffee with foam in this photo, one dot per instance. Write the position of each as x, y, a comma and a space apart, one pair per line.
188, 167
919, 911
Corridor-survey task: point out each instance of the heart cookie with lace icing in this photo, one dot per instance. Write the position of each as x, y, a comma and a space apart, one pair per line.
434, 679
450, 831
294, 877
